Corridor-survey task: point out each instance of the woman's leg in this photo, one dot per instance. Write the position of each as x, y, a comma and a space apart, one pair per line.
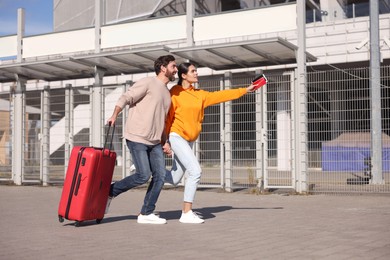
175, 174
185, 159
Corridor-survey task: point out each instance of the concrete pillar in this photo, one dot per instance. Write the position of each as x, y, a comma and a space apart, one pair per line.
20, 34
68, 123
190, 7
375, 96
45, 135
228, 136
99, 17
127, 160
18, 114
97, 109
300, 104
261, 133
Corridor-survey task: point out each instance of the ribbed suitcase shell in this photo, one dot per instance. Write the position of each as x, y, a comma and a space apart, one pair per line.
87, 183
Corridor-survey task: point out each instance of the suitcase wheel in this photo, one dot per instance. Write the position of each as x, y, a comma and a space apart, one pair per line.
98, 220
77, 223
60, 219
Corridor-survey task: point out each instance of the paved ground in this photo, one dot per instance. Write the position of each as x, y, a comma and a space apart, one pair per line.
238, 226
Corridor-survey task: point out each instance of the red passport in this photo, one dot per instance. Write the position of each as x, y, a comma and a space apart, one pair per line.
259, 81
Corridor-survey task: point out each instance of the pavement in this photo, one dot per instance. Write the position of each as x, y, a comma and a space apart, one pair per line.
237, 225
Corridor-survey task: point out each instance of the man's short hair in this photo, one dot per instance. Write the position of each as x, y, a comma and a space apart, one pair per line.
162, 61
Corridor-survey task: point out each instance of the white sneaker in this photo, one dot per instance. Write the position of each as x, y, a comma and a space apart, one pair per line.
132, 168
108, 204
190, 217
150, 219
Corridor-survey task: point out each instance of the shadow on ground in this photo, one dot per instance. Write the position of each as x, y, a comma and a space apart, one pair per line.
205, 213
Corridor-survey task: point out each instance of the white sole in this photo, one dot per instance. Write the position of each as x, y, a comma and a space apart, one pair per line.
153, 223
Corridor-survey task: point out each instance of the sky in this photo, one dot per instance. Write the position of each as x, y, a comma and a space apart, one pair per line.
38, 16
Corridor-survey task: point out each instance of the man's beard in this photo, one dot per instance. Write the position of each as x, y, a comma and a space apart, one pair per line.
170, 76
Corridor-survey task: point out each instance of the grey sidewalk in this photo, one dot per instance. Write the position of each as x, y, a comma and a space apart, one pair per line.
238, 226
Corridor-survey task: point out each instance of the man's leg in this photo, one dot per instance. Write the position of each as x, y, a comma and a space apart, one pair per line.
140, 155
157, 163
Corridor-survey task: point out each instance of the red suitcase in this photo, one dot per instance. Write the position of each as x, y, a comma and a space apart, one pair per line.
87, 183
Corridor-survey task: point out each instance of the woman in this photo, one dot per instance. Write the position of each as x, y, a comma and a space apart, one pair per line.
184, 124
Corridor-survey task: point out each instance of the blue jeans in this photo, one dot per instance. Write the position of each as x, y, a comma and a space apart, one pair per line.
184, 160
149, 162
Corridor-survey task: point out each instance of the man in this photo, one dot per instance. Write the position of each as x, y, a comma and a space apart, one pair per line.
149, 102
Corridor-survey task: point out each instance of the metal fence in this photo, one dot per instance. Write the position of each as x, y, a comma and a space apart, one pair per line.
248, 143
340, 131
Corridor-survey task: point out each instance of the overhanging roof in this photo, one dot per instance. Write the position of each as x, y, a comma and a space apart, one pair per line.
233, 55
83, 66
244, 54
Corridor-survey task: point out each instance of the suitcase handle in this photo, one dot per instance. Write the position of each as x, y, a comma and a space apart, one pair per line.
112, 137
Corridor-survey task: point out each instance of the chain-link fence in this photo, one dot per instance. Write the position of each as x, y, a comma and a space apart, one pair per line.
339, 112
246, 143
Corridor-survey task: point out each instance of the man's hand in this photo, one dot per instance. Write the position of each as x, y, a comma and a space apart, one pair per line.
115, 114
111, 120
167, 149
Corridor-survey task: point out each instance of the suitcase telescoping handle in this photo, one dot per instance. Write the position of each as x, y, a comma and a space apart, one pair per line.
112, 137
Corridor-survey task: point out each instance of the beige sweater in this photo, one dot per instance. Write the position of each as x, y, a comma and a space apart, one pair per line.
149, 102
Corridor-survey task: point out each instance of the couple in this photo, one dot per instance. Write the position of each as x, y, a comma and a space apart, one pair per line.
160, 120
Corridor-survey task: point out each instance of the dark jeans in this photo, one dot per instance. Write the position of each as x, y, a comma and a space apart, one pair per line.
149, 161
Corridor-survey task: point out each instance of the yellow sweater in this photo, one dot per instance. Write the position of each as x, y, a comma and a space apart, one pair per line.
186, 113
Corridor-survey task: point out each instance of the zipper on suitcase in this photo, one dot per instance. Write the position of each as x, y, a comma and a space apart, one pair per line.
77, 185
72, 188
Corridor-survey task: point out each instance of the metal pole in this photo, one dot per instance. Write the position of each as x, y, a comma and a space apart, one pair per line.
260, 133
222, 138
98, 23
20, 35
375, 96
45, 138
18, 109
97, 109
190, 6
300, 102
228, 135
127, 157
17, 130
68, 124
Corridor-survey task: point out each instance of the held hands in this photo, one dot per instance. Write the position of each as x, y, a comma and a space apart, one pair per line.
167, 149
